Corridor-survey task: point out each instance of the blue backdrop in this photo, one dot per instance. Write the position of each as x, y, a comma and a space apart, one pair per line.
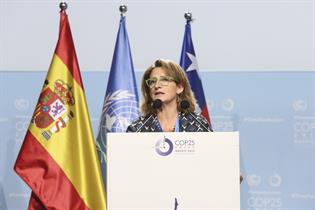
274, 112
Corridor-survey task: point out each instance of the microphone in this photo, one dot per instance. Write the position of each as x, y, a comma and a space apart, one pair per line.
184, 104
156, 104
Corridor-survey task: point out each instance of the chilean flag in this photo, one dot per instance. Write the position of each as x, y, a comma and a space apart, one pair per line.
188, 62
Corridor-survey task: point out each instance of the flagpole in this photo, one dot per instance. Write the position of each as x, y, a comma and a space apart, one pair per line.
123, 10
188, 17
63, 6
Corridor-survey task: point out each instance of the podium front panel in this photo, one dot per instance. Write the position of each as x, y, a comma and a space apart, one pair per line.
173, 171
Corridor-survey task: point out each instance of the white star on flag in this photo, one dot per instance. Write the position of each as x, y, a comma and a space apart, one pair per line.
194, 64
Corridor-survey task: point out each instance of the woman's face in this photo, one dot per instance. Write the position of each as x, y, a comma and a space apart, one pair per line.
162, 86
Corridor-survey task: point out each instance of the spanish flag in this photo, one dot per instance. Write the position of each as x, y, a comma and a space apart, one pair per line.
58, 158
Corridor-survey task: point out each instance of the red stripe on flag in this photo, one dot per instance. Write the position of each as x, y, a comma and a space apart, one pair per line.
65, 49
46, 179
204, 112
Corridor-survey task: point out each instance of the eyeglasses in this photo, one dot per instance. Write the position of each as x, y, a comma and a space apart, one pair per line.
163, 80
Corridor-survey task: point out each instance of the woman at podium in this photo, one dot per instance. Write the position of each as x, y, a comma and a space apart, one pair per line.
168, 101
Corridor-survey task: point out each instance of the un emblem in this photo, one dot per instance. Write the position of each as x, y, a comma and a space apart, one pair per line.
120, 108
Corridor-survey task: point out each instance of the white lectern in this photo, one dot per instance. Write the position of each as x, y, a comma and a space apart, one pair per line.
173, 171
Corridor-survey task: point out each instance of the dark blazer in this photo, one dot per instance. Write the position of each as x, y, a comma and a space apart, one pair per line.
187, 123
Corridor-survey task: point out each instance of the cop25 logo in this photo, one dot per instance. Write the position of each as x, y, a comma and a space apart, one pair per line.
164, 147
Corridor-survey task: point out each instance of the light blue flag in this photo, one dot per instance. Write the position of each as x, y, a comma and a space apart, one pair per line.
121, 104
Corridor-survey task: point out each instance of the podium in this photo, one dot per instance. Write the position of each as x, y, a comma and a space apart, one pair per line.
173, 171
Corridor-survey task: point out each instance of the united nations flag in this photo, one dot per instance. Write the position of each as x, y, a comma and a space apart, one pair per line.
121, 104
